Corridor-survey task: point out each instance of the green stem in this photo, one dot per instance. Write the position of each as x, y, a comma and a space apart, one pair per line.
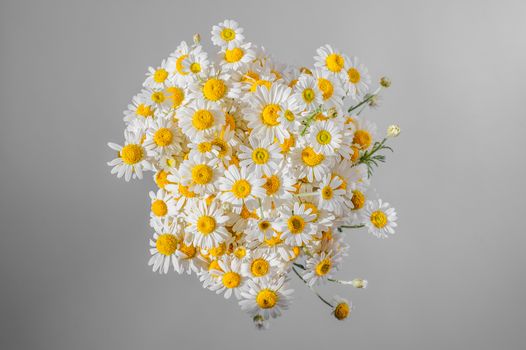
353, 226
352, 108
309, 120
319, 296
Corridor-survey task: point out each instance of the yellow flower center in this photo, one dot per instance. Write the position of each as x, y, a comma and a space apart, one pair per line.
266, 298
334, 62
144, 110
378, 219
272, 185
288, 144
234, 55
308, 95
161, 178
358, 200
354, 75
188, 250
241, 188
202, 174
313, 209
231, 279
160, 75
222, 145
214, 89
362, 138
327, 193
341, 311
260, 156
176, 95
185, 192
289, 115
323, 267
259, 267
204, 147
206, 224
323, 137
131, 154
166, 244
163, 137
273, 241
296, 224
264, 225
310, 157
159, 208
240, 252
179, 65
270, 114
257, 83
202, 119
218, 251
195, 67
326, 88
228, 34
158, 97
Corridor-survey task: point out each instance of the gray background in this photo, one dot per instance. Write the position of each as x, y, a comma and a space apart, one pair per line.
73, 243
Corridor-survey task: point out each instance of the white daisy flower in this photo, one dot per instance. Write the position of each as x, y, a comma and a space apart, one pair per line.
162, 204
309, 163
319, 267
200, 120
194, 65
175, 61
380, 218
331, 89
356, 78
230, 277
201, 175
163, 247
155, 98
227, 34
266, 297
181, 193
342, 308
177, 96
240, 187
331, 60
295, 223
131, 160
365, 133
307, 93
162, 139
279, 187
260, 264
138, 109
156, 78
236, 57
326, 137
188, 259
206, 224
261, 228
262, 157
331, 196
215, 87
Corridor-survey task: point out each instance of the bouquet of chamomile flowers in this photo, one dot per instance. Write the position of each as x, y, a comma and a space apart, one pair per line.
261, 168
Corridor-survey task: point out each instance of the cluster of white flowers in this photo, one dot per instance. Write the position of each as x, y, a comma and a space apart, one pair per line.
260, 168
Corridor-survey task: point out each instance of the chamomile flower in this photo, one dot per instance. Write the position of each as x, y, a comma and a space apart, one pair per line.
156, 78
181, 193
227, 34
279, 187
138, 109
331, 60
131, 159
162, 139
296, 225
356, 78
194, 65
215, 88
319, 267
236, 57
380, 218
309, 163
265, 110
206, 224
188, 259
365, 133
261, 228
240, 187
342, 308
200, 120
201, 175
331, 197
261, 264
331, 89
162, 205
326, 137
155, 98
261, 157
231, 279
163, 246
175, 61
266, 297
307, 93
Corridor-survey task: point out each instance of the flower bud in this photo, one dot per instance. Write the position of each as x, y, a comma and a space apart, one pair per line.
197, 38
359, 283
342, 311
385, 82
393, 130
260, 322
227, 207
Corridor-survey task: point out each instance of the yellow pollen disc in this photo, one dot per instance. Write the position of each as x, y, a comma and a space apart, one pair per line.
166, 244
323, 137
289, 115
362, 138
270, 114
159, 208
188, 250
161, 178
202, 174
214, 265
206, 224
379, 219
204, 147
195, 67
266, 298
326, 235
326, 88
179, 65
257, 83
240, 252
214, 89
176, 95
218, 251
358, 200
250, 76
354, 75
230, 121
222, 145
327, 192
288, 144
273, 241
260, 156
296, 224
231, 279
314, 210
144, 110
202, 119
158, 97
310, 157
259, 267
341, 311
131, 154
308, 95
272, 185
323, 267
228, 34
163, 137
241, 188
234, 55
334, 62
185, 192
160, 75
246, 214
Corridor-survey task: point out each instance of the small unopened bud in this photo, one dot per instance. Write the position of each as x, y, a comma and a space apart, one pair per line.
393, 130
331, 112
305, 70
197, 38
260, 322
374, 101
385, 82
227, 207
342, 311
359, 283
